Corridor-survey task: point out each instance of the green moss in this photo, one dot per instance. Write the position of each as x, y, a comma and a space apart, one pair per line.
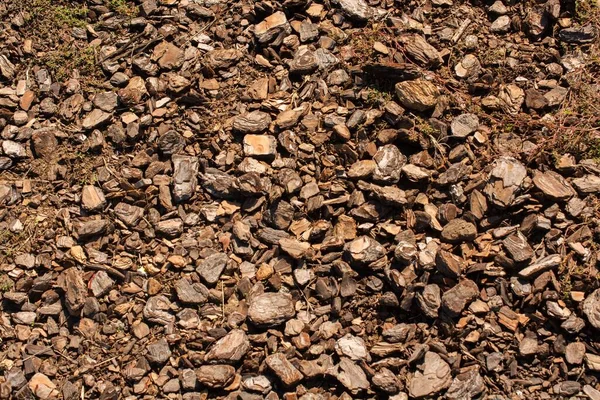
6, 284
375, 96
70, 16
50, 15
122, 7
594, 149
566, 286
425, 128
586, 10
62, 61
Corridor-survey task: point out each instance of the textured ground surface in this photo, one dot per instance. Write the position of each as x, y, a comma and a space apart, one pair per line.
299, 200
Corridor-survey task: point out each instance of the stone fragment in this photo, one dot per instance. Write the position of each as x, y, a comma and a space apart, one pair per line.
271, 27
566, 388
41, 386
92, 198
449, 264
170, 228
574, 353
350, 375
466, 386
218, 183
101, 284
458, 230
583, 34
295, 248
87, 229
498, 8
75, 290
464, 125
134, 92
253, 122
95, 119
535, 99
511, 97
505, 181
364, 250
304, 62
386, 381
156, 308
591, 308
556, 96
362, 169
230, 348
188, 379
168, 55
418, 49
389, 162
13, 149
283, 369
528, 346
171, 143
468, 67
211, 268
415, 173
260, 146
259, 89
456, 299
44, 143
435, 377
308, 31
352, 347
271, 309
223, 58
587, 184
129, 214
191, 293
592, 361
536, 22
429, 300
517, 247
185, 171
541, 265
215, 376
260, 384
159, 351
418, 94
553, 185
7, 69
501, 24
592, 393
106, 101
356, 9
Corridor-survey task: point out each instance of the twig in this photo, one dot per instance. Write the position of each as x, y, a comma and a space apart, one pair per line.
105, 268
51, 347
123, 49
461, 30
143, 46
91, 367
222, 303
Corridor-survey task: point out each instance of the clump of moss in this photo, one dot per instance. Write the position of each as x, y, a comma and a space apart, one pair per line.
70, 16
67, 58
6, 284
47, 16
375, 96
122, 7
362, 41
587, 11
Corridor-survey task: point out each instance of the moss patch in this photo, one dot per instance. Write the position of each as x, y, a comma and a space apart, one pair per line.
67, 58
123, 7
